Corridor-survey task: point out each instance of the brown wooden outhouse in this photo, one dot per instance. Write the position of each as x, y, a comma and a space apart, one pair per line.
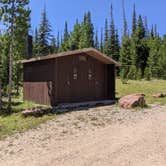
74, 76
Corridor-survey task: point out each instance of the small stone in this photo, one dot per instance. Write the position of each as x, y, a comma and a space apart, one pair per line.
38, 111
159, 95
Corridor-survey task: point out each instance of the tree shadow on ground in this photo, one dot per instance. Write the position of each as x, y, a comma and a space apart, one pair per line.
15, 108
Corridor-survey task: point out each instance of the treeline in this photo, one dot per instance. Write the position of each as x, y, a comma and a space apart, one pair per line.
15, 25
83, 36
141, 51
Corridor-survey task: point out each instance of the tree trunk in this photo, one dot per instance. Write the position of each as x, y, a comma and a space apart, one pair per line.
0, 96
11, 57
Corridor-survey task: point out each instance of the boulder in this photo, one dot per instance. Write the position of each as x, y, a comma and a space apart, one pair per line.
132, 100
159, 95
38, 111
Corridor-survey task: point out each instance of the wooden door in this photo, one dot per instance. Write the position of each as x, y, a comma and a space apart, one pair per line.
99, 81
64, 82
83, 80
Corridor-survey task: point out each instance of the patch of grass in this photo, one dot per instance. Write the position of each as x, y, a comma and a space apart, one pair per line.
15, 122
146, 87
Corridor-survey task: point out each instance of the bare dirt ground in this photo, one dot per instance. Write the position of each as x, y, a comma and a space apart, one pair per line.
103, 136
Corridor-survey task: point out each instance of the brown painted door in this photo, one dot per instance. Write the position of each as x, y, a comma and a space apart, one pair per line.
64, 82
83, 80
99, 81
79, 91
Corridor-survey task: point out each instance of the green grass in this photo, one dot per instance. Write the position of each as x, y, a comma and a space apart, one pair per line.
146, 87
15, 122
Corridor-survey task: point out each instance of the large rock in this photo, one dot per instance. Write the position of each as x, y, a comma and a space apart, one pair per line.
38, 111
132, 100
159, 95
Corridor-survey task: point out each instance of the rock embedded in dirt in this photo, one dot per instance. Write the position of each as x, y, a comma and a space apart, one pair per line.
159, 95
132, 100
38, 111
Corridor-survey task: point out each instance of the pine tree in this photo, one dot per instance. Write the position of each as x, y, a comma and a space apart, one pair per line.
58, 41
146, 28
112, 36
101, 41
75, 36
44, 35
133, 68
87, 32
4, 54
4, 64
134, 21
153, 59
90, 30
15, 13
53, 47
140, 51
125, 58
152, 32
140, 28
65, 45
156, 34
162, 59
148, 74
116, 47
125, 29
36, 43
96, 45
22, 25
106, 37
66, 33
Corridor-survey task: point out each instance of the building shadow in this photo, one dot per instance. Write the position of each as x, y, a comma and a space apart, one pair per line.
85, 106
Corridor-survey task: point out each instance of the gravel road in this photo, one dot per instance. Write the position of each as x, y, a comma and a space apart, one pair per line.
102, 136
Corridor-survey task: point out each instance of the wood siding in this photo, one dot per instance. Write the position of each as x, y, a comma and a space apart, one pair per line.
38, 92
111, 81
38, 82
90, 83
73, 78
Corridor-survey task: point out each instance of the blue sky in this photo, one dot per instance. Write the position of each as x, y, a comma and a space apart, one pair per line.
60, 11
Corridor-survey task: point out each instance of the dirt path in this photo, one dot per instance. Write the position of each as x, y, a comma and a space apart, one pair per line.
104, 136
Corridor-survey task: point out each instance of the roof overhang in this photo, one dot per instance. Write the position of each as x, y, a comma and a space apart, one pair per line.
90, 51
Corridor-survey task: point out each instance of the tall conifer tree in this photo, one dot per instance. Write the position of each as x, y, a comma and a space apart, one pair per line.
106, 37
134, 21
96, 45
14, 14
101, 41
65, 45
44, 35
36, 43
112, 36
117, 47
87, 32
125, 29
75, 36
